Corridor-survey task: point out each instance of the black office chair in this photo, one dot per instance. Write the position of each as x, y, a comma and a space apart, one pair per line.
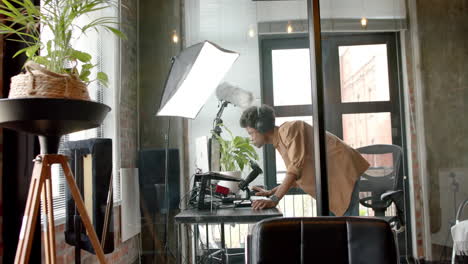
322, 240
383, 181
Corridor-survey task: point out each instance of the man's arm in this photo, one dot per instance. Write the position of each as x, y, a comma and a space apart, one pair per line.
280, 190
263, 192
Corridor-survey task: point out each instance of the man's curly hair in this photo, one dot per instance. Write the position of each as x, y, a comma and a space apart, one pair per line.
253, 116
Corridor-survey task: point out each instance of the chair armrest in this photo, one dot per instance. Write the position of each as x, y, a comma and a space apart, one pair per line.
365, 201
397, 198
391, 195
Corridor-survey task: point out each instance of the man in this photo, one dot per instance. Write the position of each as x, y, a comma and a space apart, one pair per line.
294, 141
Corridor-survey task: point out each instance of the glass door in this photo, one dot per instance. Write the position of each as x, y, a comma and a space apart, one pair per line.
362, 100
362, 88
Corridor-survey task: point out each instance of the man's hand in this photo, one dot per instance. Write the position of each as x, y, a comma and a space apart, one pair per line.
263, 204
260, 191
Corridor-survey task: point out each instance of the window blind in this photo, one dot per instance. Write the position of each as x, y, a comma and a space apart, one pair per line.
102, 47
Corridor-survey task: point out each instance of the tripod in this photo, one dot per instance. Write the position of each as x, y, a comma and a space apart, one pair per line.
41, 188
50, 118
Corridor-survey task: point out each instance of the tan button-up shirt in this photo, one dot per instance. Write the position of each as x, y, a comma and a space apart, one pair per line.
294, 141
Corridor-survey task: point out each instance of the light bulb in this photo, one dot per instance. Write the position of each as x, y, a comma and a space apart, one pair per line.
364, 22
175, 37
290, 28
251, 32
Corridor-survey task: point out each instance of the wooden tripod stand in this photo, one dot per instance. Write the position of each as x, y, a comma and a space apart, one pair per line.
41, 188
50, 118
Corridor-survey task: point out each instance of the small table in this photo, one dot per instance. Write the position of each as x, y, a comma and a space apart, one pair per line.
221, 216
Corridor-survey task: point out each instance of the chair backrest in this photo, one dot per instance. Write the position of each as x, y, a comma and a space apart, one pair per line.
322, 240
383, 174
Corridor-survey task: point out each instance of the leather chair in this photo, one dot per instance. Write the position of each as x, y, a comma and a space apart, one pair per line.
322, 240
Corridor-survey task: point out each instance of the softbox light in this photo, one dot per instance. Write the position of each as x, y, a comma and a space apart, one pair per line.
194, 75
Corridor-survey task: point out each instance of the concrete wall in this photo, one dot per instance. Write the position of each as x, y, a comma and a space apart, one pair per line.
444, 52
158, 20
438, 93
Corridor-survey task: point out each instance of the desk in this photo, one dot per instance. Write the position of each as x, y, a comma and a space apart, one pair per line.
221, 216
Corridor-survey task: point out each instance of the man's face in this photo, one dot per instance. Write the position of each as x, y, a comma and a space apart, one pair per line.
257, 138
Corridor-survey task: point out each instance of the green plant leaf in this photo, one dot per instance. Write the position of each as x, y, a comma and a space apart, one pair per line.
238, 141
18, 32
84, 75
81, 56
235, 153
41, 60
116, 32
49, 46
6, 13
87, 66
102, 77
20, 52
240, 163
13, 9
32, 50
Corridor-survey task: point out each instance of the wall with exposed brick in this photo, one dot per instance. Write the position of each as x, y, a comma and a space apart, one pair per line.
128, 251
129, 86
1, 155
417, 187
438, 88
124, 252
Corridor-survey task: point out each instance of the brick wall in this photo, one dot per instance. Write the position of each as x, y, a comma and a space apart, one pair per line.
1, 154
417, 187
129, 84
124, 253
128, 251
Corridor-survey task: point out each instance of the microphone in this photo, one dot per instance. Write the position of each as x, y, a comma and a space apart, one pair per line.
252, 175
234, 95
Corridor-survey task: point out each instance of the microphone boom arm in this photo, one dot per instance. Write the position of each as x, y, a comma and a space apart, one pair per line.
256, 170
218, 121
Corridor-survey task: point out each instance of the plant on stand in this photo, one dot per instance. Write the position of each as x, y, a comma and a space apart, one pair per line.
54, 68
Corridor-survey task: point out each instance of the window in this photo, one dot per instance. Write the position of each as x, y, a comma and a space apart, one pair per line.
286, 87
362, 101
103, 48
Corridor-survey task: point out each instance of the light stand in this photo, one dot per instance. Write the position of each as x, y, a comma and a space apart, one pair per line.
166, 185
194, 75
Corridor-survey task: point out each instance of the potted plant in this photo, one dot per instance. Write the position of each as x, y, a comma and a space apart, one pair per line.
236, 153
54, 68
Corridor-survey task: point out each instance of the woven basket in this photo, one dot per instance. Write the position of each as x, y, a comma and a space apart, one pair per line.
39, 82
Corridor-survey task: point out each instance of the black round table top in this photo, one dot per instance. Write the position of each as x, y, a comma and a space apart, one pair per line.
51, 116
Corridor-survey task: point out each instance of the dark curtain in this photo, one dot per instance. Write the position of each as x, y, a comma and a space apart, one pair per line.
19, 149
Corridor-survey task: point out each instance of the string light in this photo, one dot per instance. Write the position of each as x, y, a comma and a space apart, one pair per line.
364, 22
289, 28
363, 19
251, 31
175, 37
